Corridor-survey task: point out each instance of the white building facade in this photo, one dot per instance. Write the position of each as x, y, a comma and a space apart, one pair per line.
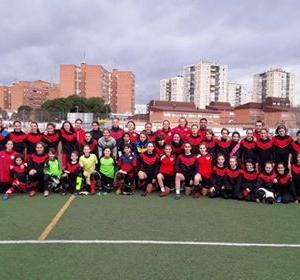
205, 82
274, 83
172, 89
238, 94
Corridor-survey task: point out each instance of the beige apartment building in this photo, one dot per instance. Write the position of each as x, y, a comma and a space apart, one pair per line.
274, 83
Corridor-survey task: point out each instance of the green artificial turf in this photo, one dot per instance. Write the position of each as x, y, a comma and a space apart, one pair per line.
151, 218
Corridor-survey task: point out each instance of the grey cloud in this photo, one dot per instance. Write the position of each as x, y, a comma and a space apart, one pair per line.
154, 39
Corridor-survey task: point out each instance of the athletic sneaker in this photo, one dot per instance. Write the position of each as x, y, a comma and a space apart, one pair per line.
177, 196
118, 192
32, 193
5, 196
163, 194
144, 194
46, 193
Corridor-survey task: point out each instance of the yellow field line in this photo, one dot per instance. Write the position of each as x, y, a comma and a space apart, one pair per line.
56, 219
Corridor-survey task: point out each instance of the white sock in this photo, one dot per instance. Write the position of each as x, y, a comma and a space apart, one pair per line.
163, 189
177, 191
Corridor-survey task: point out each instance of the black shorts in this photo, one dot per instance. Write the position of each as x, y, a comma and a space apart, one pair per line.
169, 180
206, 183
187, 179
150, 178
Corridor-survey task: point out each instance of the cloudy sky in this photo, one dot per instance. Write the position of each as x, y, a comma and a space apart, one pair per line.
152, 38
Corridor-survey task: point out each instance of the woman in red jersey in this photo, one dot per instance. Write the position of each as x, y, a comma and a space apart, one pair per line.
182, 128
18, 171
7, 158
203, 176
166, 175
131, 130
166, 131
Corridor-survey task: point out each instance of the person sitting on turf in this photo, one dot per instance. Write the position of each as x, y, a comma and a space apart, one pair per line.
265, 184
71, 172
19, 173
52, 173
166, 175
285, 190
127, 164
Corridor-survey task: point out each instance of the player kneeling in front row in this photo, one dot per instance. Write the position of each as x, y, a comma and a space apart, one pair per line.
52, 173
202, 179
124, 178
186, 169
107, 168
148, 167
19, 173
166, 177
88, 163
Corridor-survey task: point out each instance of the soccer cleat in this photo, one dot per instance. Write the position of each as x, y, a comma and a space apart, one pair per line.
32, 193
84, 193
163, 194
5, 196
64, 193
279, 199
93, 192
144, 194
177, 196
46, 193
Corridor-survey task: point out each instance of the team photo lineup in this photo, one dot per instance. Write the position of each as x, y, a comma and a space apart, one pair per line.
183, 160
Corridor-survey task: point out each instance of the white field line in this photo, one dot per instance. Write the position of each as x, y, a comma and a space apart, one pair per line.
149, 242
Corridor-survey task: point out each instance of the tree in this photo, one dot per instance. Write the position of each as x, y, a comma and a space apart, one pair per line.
75, 103
24, 113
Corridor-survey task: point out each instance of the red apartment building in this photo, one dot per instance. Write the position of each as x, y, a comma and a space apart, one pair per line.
116, 87
31, 93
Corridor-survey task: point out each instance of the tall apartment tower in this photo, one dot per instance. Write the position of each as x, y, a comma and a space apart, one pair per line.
84, 80
274, 83
238, 94
172, 89
205, 82
122, 92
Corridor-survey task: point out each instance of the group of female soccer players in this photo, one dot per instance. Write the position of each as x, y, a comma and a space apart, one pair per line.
185, 159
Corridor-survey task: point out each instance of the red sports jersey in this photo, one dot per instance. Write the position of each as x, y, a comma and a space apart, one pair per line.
205, 165
167, 164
